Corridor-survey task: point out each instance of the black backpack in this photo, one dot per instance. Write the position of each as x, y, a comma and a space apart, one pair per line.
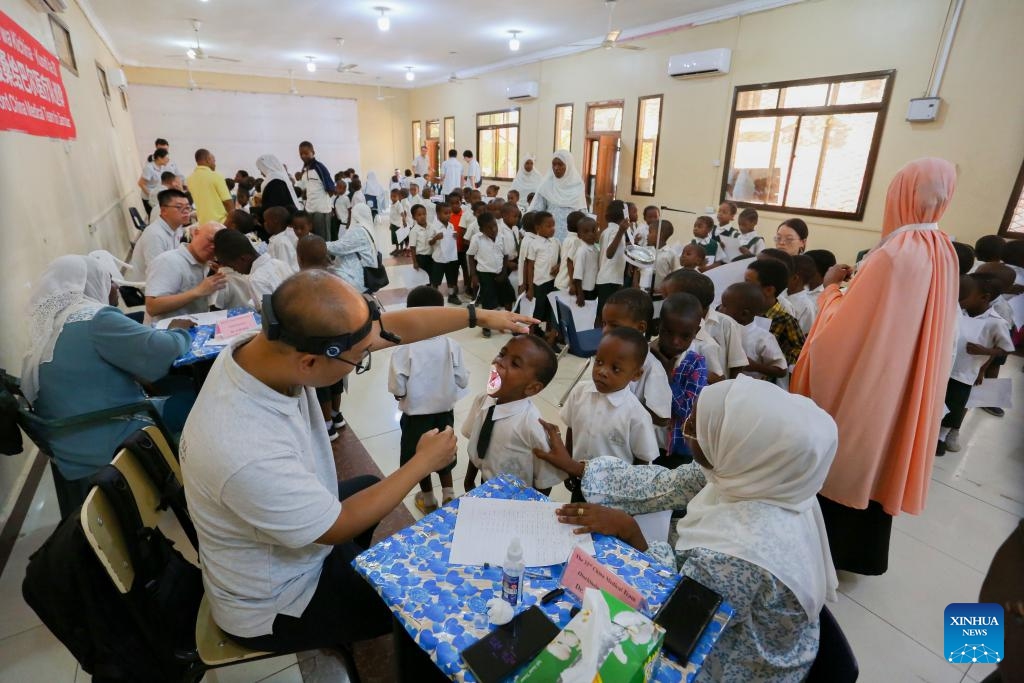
147, 634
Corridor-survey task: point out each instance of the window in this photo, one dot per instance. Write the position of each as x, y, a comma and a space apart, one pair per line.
104, 84
62, 41
433, 130
648, 130
809, 146
124, 99
604, 117
497, 143
417, 138
563, 126
1013, 219
449, 132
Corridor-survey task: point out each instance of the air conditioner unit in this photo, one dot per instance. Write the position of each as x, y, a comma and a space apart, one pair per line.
527, 90
49, 5
703, 63
118, 79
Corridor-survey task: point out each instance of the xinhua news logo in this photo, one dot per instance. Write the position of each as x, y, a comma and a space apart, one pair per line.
973, 632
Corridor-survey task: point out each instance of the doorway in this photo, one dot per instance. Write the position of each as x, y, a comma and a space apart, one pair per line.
434, 146
601, 151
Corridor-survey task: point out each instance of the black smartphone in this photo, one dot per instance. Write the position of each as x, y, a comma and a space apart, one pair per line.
685, 615
510, 646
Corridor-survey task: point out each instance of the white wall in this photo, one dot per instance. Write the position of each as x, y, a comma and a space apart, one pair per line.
239, 126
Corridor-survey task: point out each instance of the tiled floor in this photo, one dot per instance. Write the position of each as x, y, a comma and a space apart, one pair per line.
894, 621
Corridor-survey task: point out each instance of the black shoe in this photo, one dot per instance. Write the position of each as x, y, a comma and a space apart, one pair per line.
941, 449
332, 433
339, 421
454, 300
998, 412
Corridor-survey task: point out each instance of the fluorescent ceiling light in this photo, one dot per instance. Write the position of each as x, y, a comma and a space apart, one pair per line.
383, 21
513, 43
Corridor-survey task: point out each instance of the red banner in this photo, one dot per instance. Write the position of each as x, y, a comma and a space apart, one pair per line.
32, 95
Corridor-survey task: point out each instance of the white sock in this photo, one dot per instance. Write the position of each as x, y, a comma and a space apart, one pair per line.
943, 432
330, 424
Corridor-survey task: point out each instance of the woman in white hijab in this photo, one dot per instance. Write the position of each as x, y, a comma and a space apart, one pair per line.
374, 189
561, 192
279, 187
528, 178
84, 355
356, 249
753, 531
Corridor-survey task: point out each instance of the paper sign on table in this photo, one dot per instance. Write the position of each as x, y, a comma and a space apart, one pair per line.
992, 393
485, 526
232, 327
583, 572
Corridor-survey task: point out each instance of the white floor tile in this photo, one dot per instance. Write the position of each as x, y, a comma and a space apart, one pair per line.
15, 615
249, 672
290, 675
35, 655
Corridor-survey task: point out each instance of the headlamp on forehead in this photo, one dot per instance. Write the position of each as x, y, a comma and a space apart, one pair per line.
332, 347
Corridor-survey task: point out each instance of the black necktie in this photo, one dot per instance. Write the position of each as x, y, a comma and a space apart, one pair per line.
484, 440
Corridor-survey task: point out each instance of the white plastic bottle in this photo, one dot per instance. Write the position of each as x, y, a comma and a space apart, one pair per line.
512, 573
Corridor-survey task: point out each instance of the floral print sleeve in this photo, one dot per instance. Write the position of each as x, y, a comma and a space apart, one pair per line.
639, 489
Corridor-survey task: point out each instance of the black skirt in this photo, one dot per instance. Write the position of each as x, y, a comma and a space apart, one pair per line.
859, 539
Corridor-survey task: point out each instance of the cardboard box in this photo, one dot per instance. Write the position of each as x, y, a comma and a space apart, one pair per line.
607, 641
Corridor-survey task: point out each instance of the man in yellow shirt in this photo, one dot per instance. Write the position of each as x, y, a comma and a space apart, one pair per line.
209, 191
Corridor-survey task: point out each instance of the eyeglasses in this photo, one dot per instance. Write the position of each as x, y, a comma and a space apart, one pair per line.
363, 365
785, 240
179, 207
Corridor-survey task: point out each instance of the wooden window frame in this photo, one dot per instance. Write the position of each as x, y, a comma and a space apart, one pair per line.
604, 104
657, 145
101, 74
444, 132
417, 137
1011, 206
572, 117
57, 24
881, 108
515, 125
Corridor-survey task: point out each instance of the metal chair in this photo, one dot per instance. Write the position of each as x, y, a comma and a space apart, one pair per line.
580, 344
137, 220
835, 662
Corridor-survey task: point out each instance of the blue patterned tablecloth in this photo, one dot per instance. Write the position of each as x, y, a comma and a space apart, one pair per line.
199, 351
443, 606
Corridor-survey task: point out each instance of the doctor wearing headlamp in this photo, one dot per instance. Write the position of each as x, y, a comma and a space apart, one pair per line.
275, 539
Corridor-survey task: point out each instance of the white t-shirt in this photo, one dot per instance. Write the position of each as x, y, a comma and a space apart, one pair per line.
420, 165
342, 207
237, 291
266, 275
713, 354
261, 487
585, 265
653, 388
801, 307
175, 272
282, 247
489, 255
608, 424
611, 270
397, 214
157, 238
473, 173
569, 246
516, 432
507, 238
451, 172
986, 329
446, 249
426, 377
318, 199
763, 348
728, 334
524, 245
544, 254
419, 239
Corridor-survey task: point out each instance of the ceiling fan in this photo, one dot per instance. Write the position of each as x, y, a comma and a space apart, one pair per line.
611, 37
344, 68
197, 51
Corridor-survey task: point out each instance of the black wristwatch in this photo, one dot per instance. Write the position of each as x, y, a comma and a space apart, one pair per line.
472, 315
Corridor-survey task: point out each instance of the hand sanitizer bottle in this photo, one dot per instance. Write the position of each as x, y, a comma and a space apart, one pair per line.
512, 573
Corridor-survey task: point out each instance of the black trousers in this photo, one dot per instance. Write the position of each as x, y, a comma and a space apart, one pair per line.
488, 290
448, 271
541, 305
415, 426
322, 225
344, 607
464, 267
957, 394
603, 292
426, 263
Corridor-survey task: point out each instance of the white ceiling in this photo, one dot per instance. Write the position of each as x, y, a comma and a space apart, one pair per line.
269, 37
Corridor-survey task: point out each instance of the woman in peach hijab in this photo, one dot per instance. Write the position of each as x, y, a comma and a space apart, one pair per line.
877, 359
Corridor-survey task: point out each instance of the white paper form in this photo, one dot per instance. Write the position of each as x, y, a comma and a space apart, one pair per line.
485, 526
992, 393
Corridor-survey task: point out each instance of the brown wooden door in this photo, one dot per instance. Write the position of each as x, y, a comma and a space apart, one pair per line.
601, 160
432, 155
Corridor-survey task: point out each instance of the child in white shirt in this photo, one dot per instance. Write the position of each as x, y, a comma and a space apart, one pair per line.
419, 240
563, 281
603, 416
541, 266
586, 261
426, 378
720, 338
742, 302
445, 254
342, 206
487, 263
282, 237
981, 336
666, 260
751, 243
704, 235
693, 257
796, 299
503, 426
396, 217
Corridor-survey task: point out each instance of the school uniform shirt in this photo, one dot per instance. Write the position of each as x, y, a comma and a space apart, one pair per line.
613, 424
728, 334
585, 265
282, 247
665, 262
801, 307
787, 331
653, 388
508, 241
515, 433
451, 171
266, 275
157, 238
318, 199
445, 249
524, 244
427, 376
469, 226
419, 239
761, 347
993, 333
1001, 307
714, 355
209, 192
489, 255
396, 214
342, 208
710, 248
569, 246
151, 174
637, 233
237, 291
752, 241
175, 272
543, 251
473, 173
611, 270
420, 165
729, 229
